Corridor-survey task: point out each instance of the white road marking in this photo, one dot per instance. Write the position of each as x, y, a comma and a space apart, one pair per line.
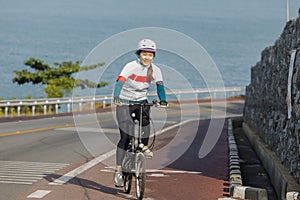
29, 163
18, 178
165, 171
157, 175
68, 176
12, 175
107, 170
174, 126
16, 182
129, 196
26, 173
172, 171
21, 173
33, 171
38, 194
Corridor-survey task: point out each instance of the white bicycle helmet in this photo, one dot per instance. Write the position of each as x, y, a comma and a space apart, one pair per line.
146, 45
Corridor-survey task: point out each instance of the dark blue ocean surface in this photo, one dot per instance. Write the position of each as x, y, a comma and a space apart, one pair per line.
233, 32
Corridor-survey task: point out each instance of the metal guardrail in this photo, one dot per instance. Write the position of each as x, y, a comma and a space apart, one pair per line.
71, 104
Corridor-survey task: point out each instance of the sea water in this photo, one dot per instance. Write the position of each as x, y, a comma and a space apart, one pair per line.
233, 32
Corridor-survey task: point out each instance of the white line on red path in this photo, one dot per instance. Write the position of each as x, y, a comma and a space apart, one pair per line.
38, 194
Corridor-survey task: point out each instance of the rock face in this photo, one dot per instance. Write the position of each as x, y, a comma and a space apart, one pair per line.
272, 105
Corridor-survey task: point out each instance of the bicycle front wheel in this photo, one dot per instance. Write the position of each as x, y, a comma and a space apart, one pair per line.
127, 182
140, 176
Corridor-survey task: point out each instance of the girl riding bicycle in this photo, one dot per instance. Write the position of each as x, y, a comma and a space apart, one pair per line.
131, 87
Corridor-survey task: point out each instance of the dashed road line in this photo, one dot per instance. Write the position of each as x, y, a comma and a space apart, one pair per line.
38, 194
26, 173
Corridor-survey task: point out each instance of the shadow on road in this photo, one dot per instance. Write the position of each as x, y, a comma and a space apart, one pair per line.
88, 184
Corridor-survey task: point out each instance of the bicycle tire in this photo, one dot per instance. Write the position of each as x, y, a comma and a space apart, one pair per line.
140, 176
127, 167
127, 182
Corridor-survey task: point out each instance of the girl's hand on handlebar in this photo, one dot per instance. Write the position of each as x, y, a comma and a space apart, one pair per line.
163, 104
117, 101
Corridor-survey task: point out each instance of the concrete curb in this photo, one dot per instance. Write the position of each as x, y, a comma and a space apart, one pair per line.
235, 175
237, 190
284, 184
246, 192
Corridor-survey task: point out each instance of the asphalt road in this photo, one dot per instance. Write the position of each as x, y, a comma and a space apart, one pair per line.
31, 151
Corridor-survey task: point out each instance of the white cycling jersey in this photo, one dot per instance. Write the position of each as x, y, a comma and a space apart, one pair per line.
134, 77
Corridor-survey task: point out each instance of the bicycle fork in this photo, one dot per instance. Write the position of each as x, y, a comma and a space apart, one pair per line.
139, 164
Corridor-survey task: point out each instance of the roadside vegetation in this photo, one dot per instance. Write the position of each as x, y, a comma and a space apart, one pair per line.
58, 81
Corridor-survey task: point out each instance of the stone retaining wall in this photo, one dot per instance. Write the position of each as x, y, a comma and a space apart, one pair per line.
272, 104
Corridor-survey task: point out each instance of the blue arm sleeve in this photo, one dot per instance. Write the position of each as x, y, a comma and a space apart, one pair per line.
161, 92
118, 88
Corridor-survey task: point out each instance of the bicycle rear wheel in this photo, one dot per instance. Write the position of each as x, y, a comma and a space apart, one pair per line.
140, 176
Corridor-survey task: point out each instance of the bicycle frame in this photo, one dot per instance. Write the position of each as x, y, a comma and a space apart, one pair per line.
136, 139
134, 160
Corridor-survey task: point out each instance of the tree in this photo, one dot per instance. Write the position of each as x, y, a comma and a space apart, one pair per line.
58, 80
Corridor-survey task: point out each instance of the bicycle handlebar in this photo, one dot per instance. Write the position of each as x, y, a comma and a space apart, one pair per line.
153, 103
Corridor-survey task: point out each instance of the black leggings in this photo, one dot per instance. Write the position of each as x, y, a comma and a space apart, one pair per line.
126, 126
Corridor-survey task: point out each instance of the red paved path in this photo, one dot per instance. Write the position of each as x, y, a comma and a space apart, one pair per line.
211, 182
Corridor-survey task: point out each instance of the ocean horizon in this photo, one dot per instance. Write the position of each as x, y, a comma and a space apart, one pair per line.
232, 32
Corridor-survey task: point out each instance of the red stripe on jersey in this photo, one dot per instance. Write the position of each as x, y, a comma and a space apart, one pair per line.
139, 78
121, 78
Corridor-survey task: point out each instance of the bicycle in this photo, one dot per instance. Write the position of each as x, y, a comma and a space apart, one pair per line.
134, 161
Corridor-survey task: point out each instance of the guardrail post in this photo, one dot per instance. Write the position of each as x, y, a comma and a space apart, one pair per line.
56, 107
93, 104
104, 102
45, 109
69, 106
19, 111
6, 110
80, 105
33, 108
